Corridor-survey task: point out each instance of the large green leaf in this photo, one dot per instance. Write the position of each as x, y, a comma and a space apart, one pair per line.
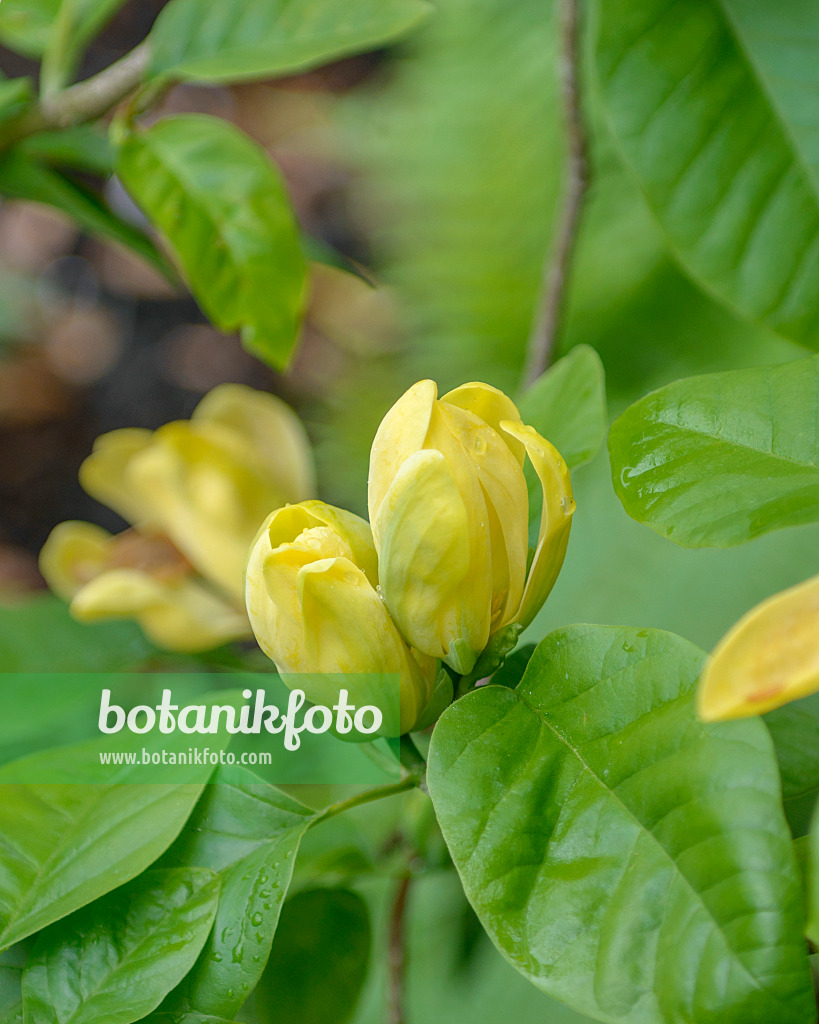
22, 177
249, 832
795, 732
319, 960
625, 857
712, 103
261, 38
224, 209
720, 459
115, 960
64, 845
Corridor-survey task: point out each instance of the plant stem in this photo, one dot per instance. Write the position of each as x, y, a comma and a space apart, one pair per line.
557, 267
367, 796
398, 950
83, 102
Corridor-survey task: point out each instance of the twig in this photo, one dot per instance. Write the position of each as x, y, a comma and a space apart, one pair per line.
398, 951
83, 102
558, 263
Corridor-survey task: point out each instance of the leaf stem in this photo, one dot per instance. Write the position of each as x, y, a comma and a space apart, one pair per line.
367, 796
557, 267
83, 102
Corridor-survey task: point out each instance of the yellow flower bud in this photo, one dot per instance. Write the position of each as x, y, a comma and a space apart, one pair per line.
196, 491
769, 658
314, 606
449, 511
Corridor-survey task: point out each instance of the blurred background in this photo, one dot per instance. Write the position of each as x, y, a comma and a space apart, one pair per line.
432, 171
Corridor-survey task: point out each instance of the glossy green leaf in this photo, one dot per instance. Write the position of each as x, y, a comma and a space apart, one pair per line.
703, 97
116, 959
717, 460
567, 405
25, 25
224, 209
319, 960
24, 178
626, 858
64, 845
248, 832
261, 38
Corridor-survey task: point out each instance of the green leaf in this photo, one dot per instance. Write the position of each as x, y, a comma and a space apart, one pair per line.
75, 24
15, 95
12, 962
261, 38
248, 832
25, 178
115, 960
709, 101
39, 635
25, 25
83, 148
567, 405
626, 858
64, 845
794, 729
812, 926
319, 960
184, 1018
717, 460
224, 209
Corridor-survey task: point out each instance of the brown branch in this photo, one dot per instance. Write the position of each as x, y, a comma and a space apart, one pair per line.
83, 102
397, 951
557, 267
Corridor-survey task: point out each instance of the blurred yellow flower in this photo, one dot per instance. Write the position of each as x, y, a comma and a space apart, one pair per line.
449, 511
196, 492
313, 602
769, 658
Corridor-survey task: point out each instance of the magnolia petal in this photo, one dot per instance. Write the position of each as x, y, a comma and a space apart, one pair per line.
206, 499
347, 629
105, 473
506, 499
287, 523
72, 556
268, 427
493, 407
182, 616
555, 522
434, 586
769, 658
402, 432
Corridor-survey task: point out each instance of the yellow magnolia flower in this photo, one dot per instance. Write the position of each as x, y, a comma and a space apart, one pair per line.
313, 601
449, 511
769, 658
196, 492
